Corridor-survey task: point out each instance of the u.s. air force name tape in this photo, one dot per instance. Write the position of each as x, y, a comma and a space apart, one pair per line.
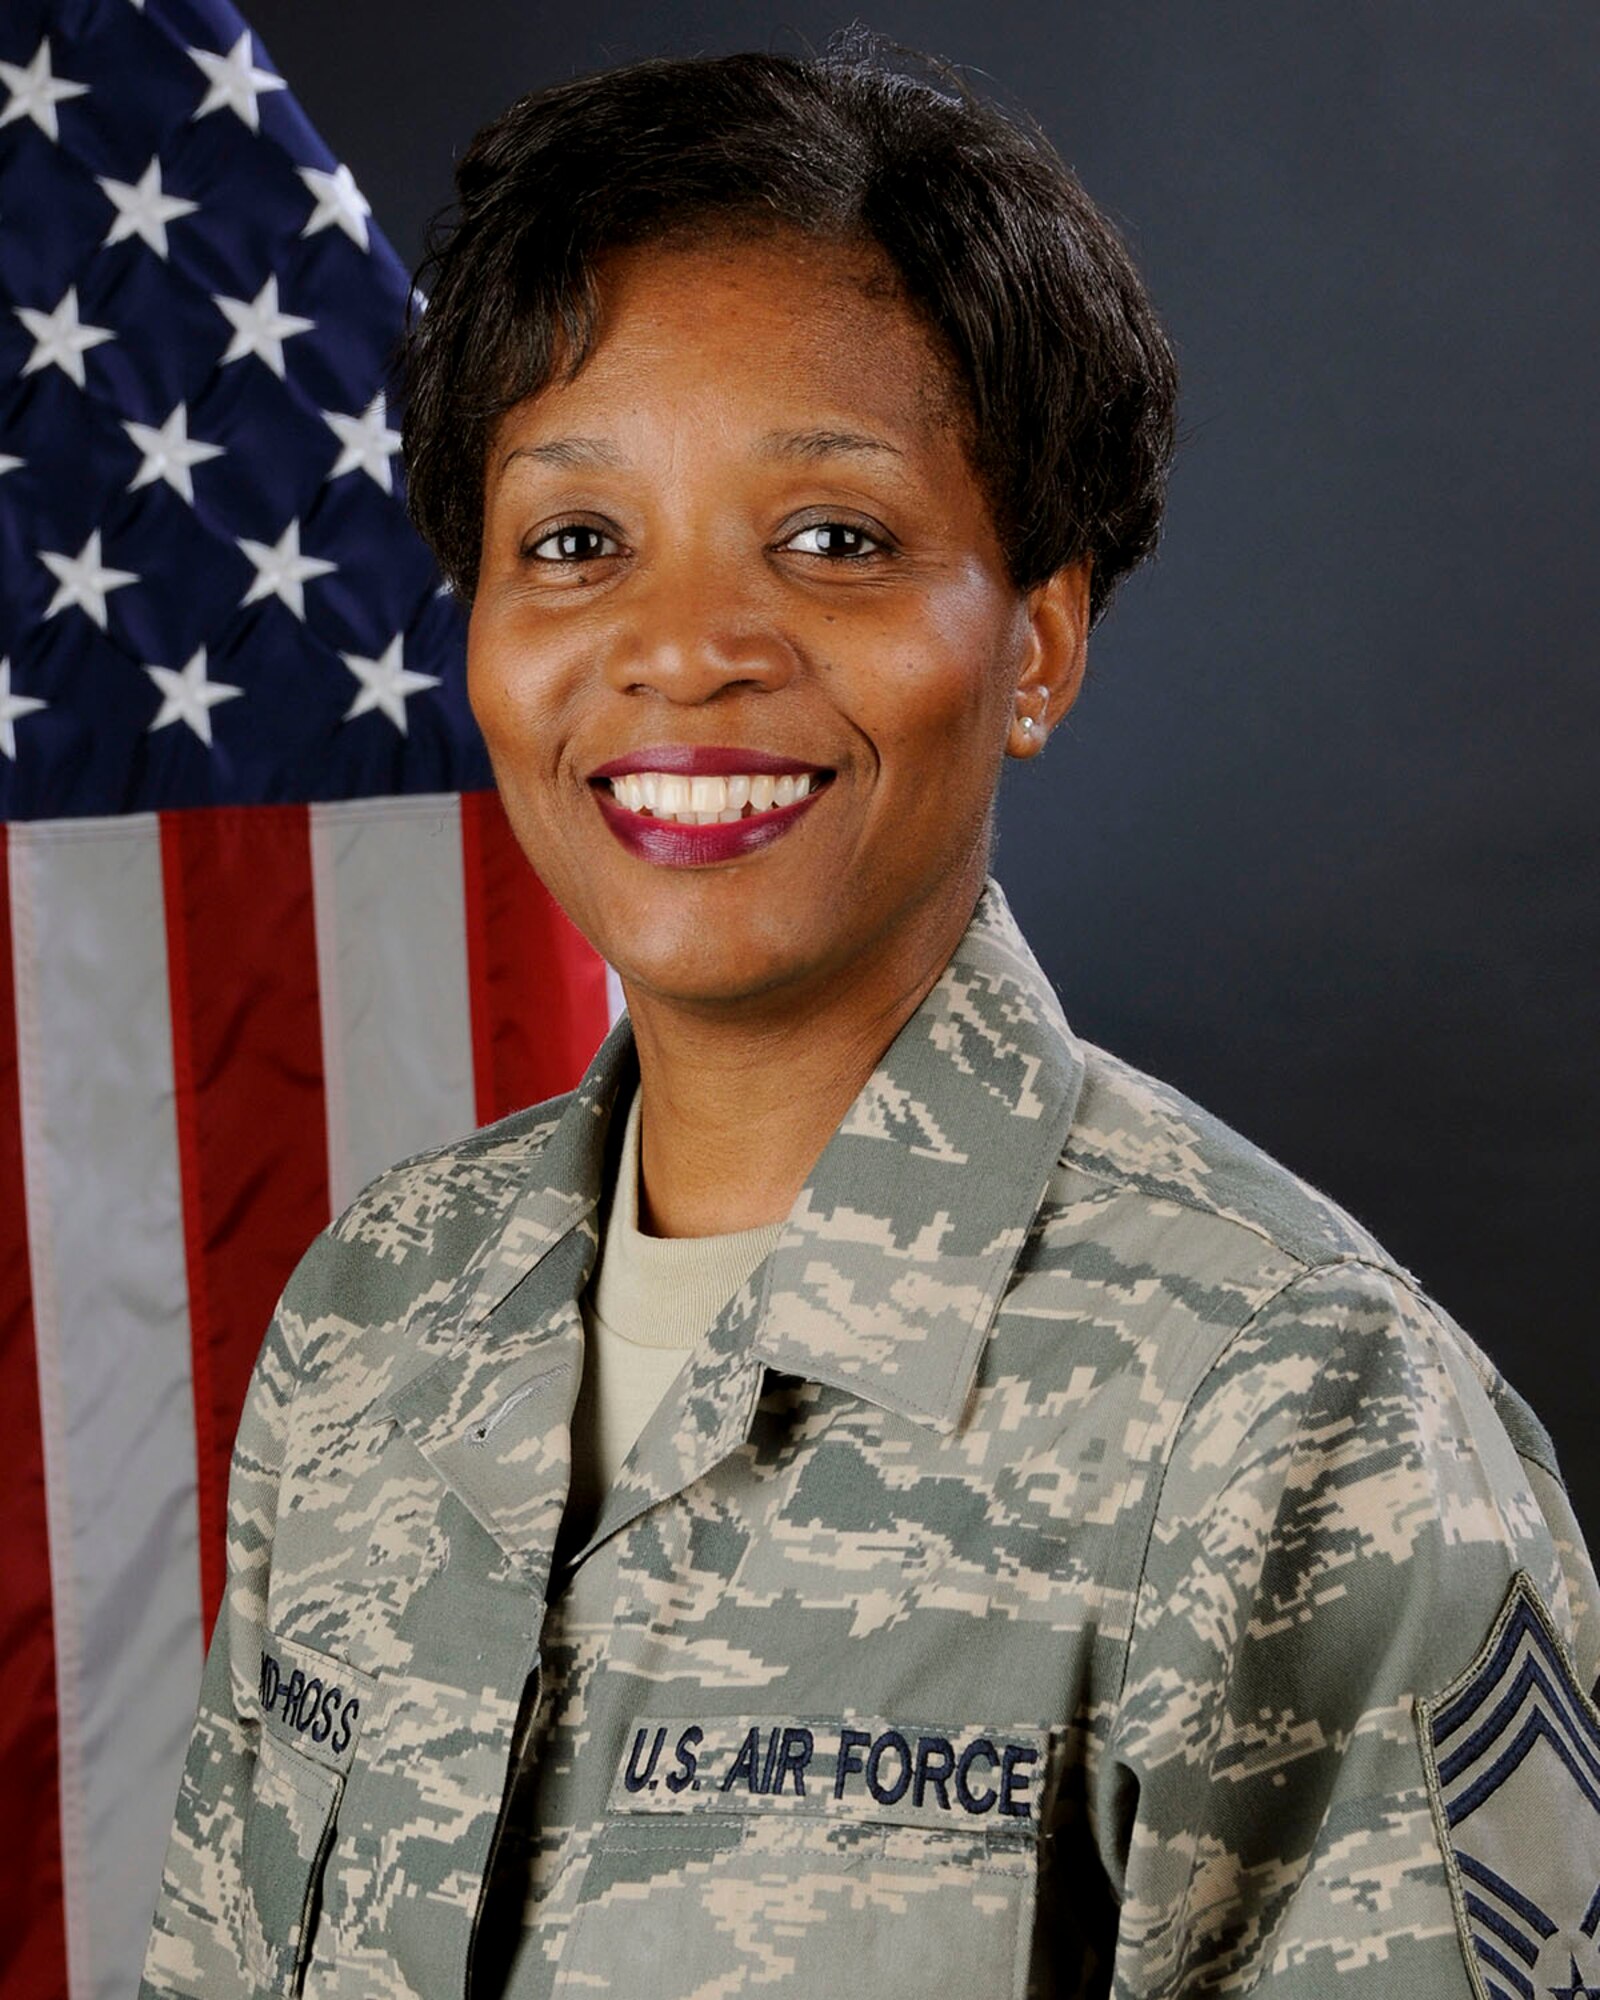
908, 1774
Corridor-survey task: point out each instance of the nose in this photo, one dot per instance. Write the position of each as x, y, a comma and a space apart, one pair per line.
692, 630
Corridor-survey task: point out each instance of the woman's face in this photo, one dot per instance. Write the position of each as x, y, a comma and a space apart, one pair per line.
744, 544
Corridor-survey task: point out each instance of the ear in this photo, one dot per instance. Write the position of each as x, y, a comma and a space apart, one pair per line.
1054, 656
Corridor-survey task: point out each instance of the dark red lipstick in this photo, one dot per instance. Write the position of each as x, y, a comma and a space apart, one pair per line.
673, 844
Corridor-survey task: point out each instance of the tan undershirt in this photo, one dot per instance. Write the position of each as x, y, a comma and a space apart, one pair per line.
648, 1302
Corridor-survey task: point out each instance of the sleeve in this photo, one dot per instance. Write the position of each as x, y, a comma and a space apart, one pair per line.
195, 1950
1354, 1753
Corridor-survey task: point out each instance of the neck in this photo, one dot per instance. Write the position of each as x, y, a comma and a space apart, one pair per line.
736, 1111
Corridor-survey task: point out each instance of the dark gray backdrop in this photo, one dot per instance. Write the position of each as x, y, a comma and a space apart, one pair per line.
1318, 843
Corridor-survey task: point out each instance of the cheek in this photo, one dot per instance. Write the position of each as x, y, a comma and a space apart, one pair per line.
940, 704
481, 694
513, 691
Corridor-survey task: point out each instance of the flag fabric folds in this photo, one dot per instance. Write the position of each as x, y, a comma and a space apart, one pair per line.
263, 928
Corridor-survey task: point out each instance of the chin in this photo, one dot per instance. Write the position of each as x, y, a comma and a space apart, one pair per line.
702, 963
700, 978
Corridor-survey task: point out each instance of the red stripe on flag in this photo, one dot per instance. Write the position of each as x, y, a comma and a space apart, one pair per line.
252, 1138
33, 1938
538, 988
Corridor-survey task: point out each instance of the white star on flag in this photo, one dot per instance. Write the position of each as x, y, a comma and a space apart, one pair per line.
169, 452
8, 463
385, 683
259, 327
235, 82
35, 93
142, 209
83, 580
340, 203
281, 570
11, 707
188, 697
60, 338
367, 443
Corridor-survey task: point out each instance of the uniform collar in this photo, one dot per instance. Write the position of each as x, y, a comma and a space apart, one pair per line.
894, 1258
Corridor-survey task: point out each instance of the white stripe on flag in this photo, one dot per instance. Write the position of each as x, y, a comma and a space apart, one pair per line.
392, 970
106, 1245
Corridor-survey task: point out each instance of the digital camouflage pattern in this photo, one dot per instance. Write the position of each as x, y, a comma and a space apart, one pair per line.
1042, 1579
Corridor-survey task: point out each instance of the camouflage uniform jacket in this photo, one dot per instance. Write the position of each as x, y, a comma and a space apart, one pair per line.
1079, 1560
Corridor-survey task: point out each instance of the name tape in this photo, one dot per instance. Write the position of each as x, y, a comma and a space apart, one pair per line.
313, 1704
907, 1774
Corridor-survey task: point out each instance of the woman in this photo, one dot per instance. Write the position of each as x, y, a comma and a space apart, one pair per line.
869, 1491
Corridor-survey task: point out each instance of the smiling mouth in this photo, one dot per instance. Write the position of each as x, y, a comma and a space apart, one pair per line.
678, 800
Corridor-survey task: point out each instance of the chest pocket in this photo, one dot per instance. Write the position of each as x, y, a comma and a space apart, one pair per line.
310, 1712
811, 1858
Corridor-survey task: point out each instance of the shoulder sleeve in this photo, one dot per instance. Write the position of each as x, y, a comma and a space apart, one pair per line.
195, 1950
1346, 1524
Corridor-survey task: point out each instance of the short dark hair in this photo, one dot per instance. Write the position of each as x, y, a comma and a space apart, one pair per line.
1070, 382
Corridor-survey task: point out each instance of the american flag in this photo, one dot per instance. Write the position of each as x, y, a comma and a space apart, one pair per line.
263, 928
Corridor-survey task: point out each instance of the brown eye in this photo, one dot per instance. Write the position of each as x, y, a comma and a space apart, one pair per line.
573, 542
839, 539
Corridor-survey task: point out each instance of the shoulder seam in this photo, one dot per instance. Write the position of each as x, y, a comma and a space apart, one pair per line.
1537, 1449
1182, 1198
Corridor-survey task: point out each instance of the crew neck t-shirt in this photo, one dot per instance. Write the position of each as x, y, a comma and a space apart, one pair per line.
648, 1301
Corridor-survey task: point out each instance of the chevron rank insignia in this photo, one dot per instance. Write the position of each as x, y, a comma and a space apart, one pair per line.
1513, 1755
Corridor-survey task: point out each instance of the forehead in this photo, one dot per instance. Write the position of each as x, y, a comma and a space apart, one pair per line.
768, 318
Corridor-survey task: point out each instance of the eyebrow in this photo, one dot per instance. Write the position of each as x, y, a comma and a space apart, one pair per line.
569, 452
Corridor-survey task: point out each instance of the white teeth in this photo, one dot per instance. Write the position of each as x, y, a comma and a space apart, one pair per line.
701, 801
